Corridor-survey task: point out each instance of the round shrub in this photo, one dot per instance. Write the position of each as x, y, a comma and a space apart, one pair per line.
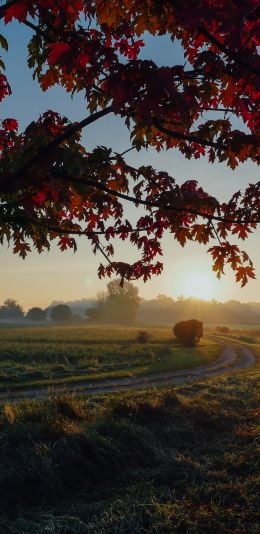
189, 332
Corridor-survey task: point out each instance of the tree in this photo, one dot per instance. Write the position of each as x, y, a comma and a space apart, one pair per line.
123, 291
188, 332
52, 187
123, 301
11, 310
119, 305
36, 314
61, 313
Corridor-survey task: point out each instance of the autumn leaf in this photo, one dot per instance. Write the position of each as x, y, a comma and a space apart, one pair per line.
10, 124
49, 78
61, 53
243, 273
66, 242
21, 249
17, 11
39, 198
241, 230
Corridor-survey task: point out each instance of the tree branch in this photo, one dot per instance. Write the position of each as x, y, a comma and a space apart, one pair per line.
44, 151
232, 55
193, 139
68, 231
35, 28
184, 137
137, 201
229, 53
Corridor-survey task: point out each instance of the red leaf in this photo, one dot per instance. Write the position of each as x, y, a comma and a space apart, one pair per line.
66, 242
39, 198
49, 78
10, 124
17, 11
5, 89
243, 273
61, 53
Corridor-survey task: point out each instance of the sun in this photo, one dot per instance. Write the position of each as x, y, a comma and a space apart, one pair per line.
198, 285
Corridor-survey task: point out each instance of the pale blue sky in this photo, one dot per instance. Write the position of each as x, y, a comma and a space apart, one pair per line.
55, 275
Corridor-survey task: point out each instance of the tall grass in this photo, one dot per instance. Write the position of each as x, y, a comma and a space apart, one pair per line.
180, 459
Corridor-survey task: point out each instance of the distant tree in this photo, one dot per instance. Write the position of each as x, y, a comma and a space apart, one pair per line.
36, 314
128, 290
11, 310
119, 305
188, 332
61, 313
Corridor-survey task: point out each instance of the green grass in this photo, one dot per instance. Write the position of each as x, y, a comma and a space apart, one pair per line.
36, 356
181, 459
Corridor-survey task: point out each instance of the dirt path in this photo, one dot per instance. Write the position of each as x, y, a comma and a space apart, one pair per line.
229, 360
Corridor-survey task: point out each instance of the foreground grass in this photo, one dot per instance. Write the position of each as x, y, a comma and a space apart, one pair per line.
180, 459
33, 356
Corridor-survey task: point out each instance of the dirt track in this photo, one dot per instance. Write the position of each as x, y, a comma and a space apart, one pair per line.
230, 360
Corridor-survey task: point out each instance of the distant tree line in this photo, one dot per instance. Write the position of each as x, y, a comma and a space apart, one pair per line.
119, 304
164, 309
12, 311
123, 305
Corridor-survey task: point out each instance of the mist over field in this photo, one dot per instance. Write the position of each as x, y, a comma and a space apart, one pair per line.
164, 309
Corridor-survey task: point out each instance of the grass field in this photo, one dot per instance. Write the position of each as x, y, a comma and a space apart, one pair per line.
181, 459
33, 356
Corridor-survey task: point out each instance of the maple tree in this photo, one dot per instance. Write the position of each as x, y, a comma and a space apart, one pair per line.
52, 187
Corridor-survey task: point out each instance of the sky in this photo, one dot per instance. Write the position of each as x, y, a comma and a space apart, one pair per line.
40, 279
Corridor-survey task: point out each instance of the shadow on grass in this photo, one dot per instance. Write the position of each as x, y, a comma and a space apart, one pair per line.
158, 460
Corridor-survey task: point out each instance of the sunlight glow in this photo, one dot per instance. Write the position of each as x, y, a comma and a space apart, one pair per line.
199, 286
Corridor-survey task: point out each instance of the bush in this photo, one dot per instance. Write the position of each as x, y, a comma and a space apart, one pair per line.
222, 329
189, 332
142, 336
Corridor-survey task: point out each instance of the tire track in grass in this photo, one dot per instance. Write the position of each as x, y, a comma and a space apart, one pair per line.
227, 362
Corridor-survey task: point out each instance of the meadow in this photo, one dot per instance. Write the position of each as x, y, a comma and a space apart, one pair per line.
35, 356
180, 459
